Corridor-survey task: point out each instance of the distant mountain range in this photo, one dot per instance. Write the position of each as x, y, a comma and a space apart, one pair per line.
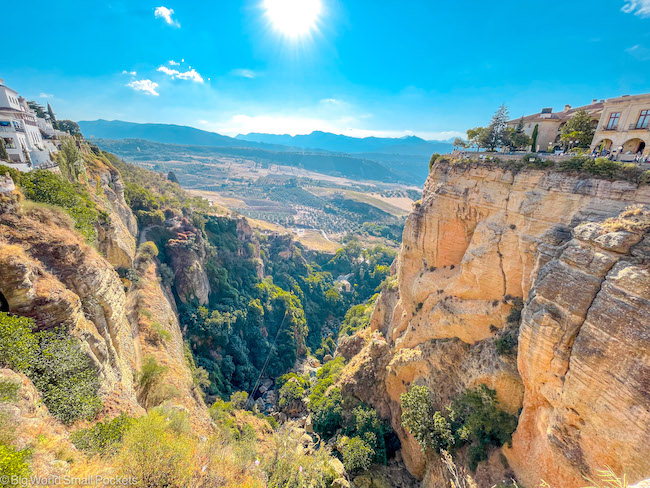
318, 140
404, 159
166, 133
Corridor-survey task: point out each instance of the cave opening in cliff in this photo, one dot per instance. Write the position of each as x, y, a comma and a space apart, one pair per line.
4, 304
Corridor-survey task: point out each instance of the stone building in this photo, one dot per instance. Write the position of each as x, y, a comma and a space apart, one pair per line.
624, 127
549, 124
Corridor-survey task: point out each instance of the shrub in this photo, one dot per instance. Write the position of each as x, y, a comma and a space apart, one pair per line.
473, 418
238, 399
103, 437
506, 344
13, 462
18, 345
357, 455
430, 428
150, 385
9, 390
65, 377
289, 466
159, 334
290, 394
14, 173
432, 161
60, 370
147, 251
481, 423
155, 453
46, 187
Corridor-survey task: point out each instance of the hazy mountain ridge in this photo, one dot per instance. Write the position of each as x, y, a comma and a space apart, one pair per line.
410, 145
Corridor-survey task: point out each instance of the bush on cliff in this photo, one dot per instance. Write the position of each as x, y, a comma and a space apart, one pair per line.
474, 419
55, 362
46, 187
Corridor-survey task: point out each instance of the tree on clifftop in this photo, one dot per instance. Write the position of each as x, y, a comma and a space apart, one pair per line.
493, 136
579, 128
171, 176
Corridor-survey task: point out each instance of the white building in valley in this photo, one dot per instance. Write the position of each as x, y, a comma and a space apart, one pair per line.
30, 140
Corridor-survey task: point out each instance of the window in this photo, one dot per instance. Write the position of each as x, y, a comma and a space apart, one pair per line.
644, 119
614, 117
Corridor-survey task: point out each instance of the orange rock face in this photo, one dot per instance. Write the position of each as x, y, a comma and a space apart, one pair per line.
484, 239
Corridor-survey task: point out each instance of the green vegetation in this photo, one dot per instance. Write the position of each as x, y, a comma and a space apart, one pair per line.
579, 128
473, 419
9, 390
602, 168
358, 317
4, 155
152, 390
47, 187
54, 361
357, 454
364, 438
103, 437
13, 462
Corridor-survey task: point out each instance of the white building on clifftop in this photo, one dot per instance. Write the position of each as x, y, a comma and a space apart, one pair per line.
30, 140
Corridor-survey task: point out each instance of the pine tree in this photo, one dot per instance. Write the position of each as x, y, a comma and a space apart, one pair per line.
535, 134
52, 116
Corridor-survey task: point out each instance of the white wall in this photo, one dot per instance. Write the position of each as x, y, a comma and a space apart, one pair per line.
8, 98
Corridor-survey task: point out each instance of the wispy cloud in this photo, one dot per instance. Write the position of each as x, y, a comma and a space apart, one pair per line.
167, 15
244, 73
146, 86
637, 7
641, 53
331, 101
171, 62
46, 95
190, 74
132, 73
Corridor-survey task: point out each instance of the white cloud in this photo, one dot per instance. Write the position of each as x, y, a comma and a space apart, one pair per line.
173, 63
132, 73
637, 7
46, 95
244, 73
641, 53
191, 74
167, 15
146, 86
331, 101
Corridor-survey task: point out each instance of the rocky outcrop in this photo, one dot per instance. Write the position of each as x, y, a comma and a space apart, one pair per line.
481, 243
188, 253
584, 357
50, 274
116, 236
158, 335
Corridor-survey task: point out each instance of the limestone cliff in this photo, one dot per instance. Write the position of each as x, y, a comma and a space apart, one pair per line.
482, 241
50, 273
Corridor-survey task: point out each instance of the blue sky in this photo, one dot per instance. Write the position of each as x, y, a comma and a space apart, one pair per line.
368, 67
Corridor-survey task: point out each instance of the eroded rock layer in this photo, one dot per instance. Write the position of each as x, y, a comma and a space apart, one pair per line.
482, 242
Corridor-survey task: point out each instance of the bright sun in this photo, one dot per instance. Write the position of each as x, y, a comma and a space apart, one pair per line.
293, 18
